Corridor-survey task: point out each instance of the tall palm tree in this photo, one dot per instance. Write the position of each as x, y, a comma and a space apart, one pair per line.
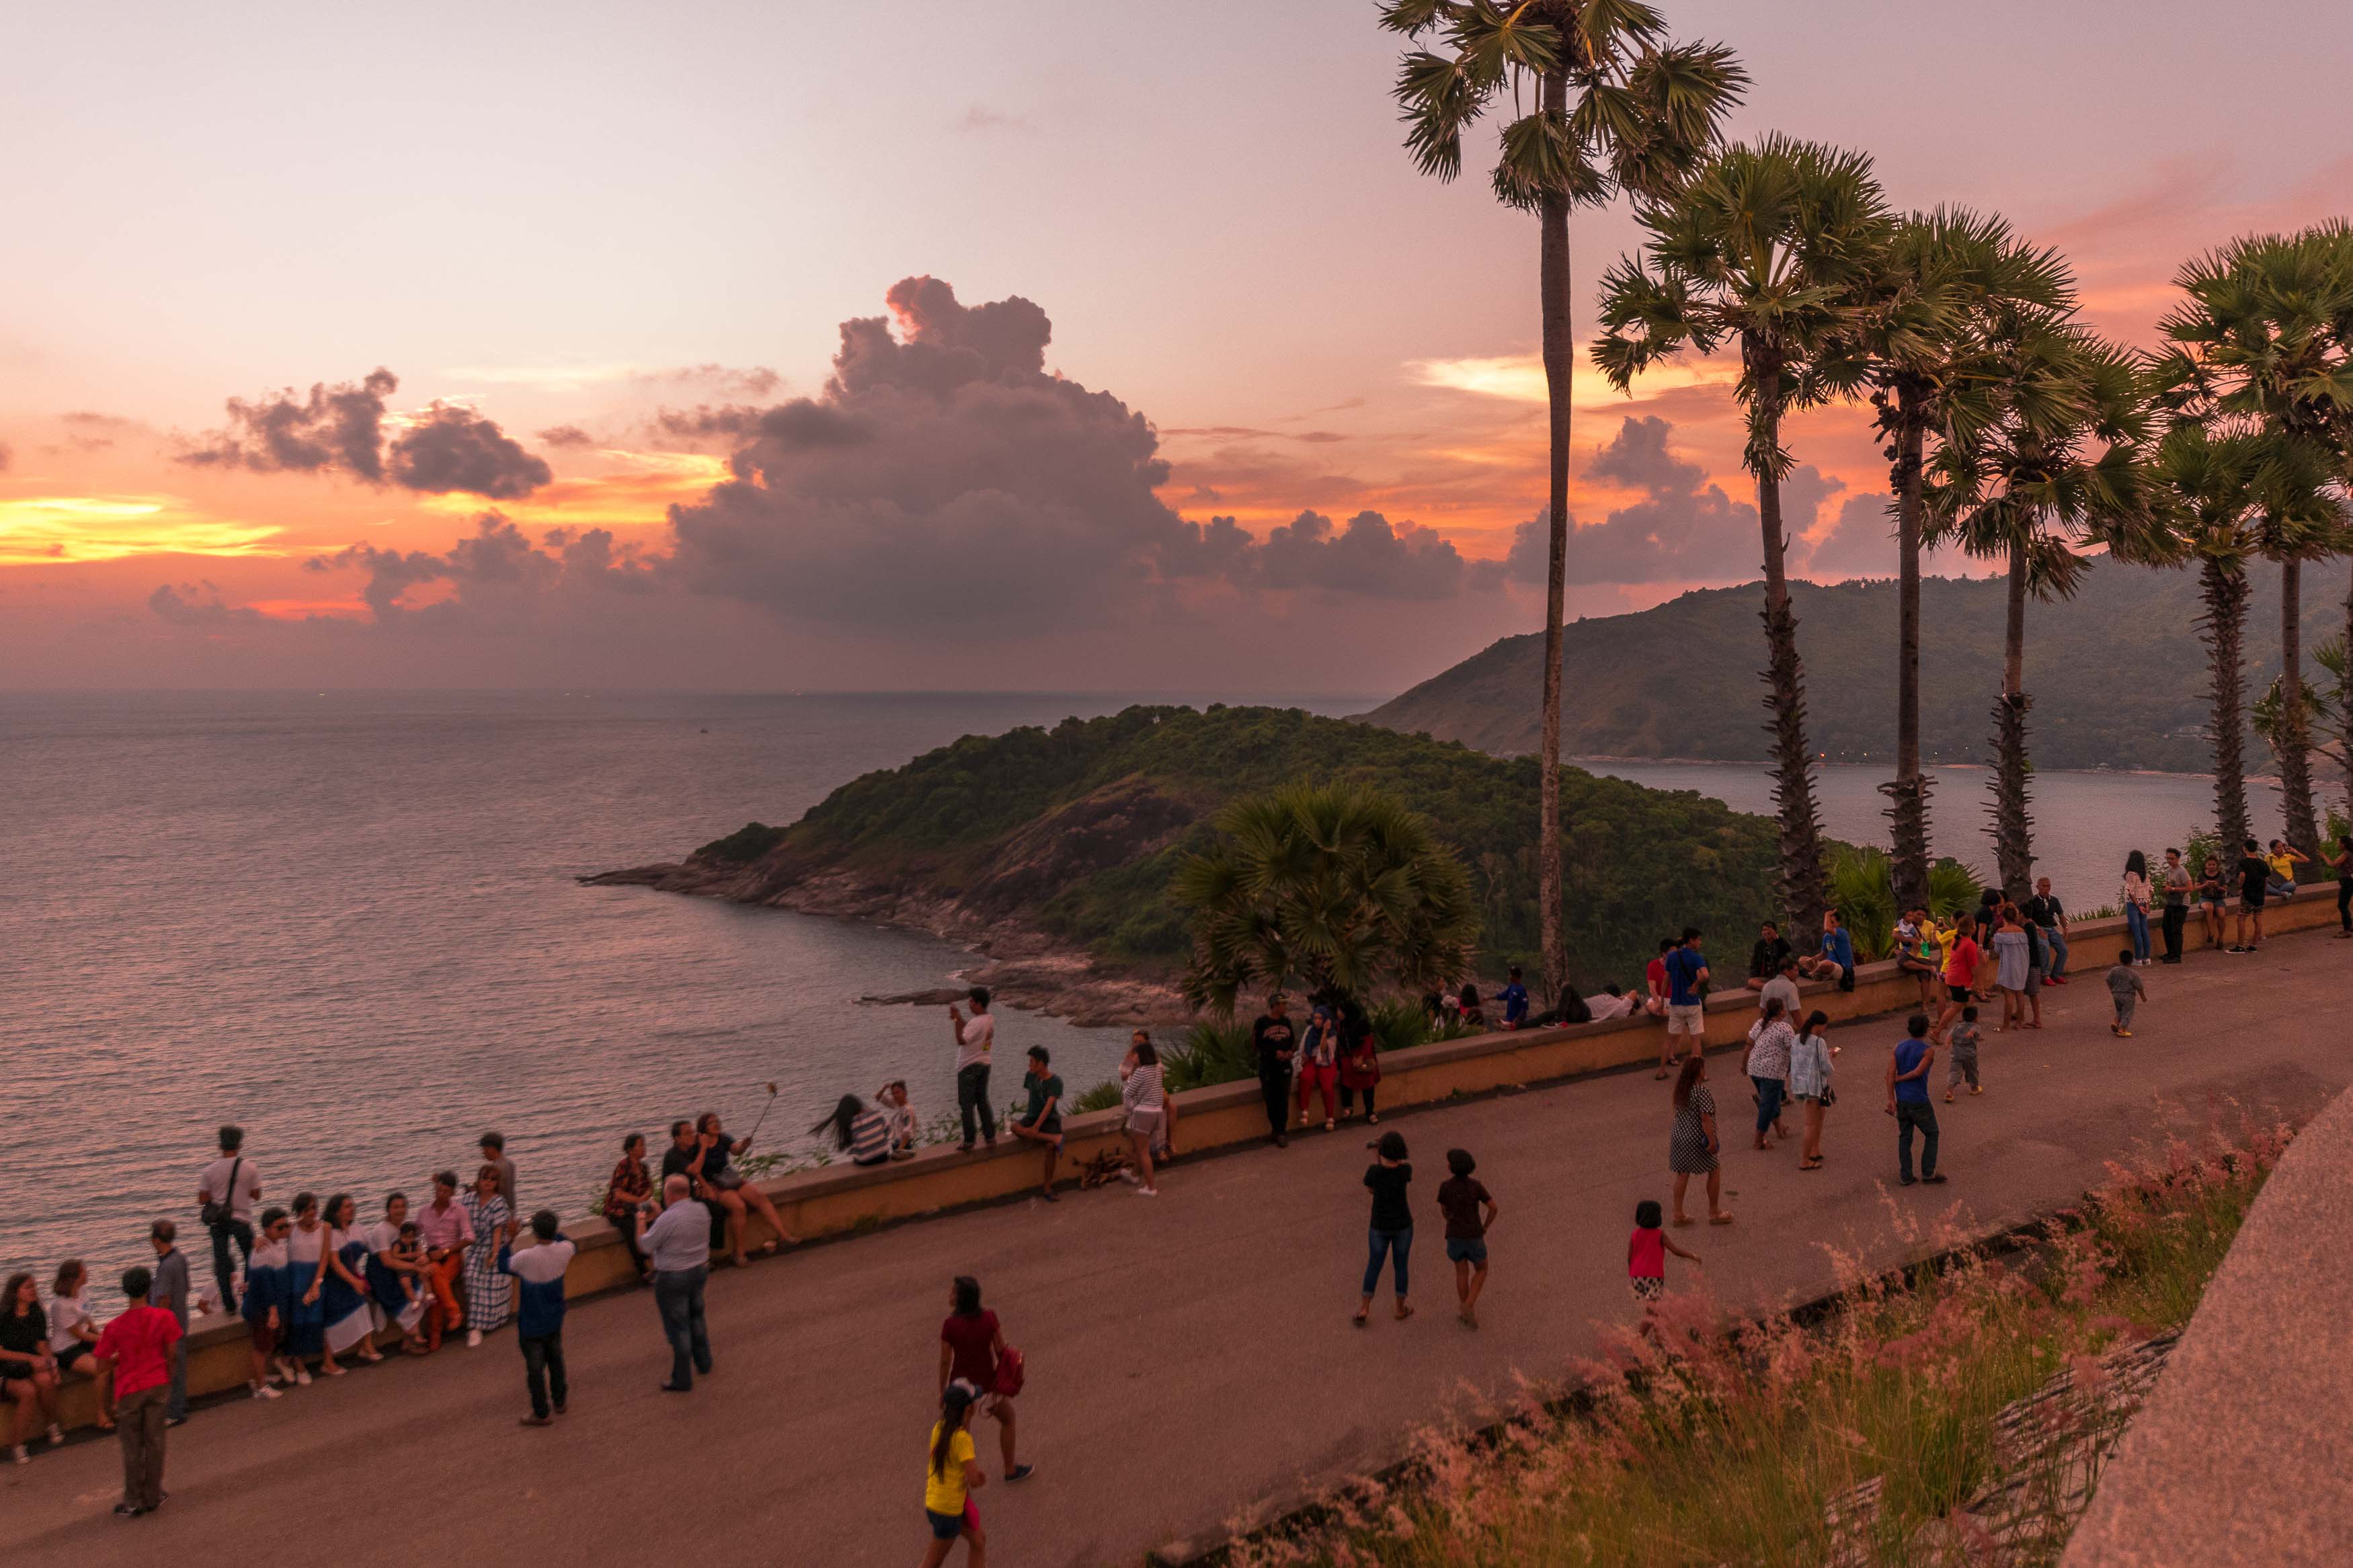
2261, 344
2059, 470
1334, 888
1614, 108
2208, 481
1924, 347
1767, 248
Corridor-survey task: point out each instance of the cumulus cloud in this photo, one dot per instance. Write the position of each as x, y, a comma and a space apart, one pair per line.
723, 380
199, 606
565, 435
340, 429
495, 575
1370, 556
1684, 529
1860, 544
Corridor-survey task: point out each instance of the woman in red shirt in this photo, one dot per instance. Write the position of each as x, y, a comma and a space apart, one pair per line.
1960, 977
973, 1348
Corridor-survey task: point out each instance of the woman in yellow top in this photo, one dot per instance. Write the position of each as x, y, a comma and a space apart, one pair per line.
951, 1475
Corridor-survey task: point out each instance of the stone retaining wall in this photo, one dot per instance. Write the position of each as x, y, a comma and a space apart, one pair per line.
844, 1200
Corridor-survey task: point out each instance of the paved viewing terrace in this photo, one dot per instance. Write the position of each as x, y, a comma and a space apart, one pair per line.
1191, 1360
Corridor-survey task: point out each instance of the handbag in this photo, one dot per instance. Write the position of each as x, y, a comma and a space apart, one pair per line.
216, 1212
1012, 1370
1830, 1097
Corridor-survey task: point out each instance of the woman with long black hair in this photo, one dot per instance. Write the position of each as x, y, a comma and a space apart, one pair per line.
973, 1352
952, 1473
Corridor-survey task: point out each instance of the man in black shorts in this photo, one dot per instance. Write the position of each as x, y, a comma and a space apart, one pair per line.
2253, 870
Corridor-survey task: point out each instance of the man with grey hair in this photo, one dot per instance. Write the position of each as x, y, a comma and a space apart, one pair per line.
679, 1245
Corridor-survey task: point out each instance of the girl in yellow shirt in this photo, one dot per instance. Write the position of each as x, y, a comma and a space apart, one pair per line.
951, 1475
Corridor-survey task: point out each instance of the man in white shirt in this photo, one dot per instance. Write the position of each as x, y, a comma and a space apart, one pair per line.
233, 1183
973, 1037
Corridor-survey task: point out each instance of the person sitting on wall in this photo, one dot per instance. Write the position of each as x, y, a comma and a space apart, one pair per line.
1836, 959
1766, 957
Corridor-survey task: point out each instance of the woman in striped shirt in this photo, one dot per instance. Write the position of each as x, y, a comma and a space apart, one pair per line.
863, 1134
1147, 1105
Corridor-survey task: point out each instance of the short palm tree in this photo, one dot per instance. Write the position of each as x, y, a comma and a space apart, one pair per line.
1768, 249
1333, 889
1944, 276
2059, 470
2260, 347
1600, 102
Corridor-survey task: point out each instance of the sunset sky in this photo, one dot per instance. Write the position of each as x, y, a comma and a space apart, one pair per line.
1179, 271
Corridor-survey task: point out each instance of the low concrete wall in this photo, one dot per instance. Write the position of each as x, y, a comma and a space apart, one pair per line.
844, 1200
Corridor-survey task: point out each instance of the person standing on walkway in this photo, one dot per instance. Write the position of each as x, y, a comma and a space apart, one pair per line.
2176, 909
952, 1473
1646, 1254
168, 1288
493, 1223
265, 1305
1687, 977
2125, 987
626, 1195
2013, 962
1319, 1064
137, 1349
1907, 1102
1391, 1232
2342, 864
1275, 1042
975, 1038
1766, 1063
447, 1232
678, 1241
1963, 1066
1147, 1101
1469, 1210
1693, 1146
2049, 917
2135, 894
539, 1316
2254, 873
1810, 1083
351, 1318
306, 1289
1962, 956
973, 1352
1042, 1119
227, 1192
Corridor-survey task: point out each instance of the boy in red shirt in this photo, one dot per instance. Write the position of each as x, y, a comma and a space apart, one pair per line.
137, 1347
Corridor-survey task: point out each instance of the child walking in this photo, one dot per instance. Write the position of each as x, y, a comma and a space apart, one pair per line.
1965, 1055
1460, 1197
951, 1475
1646, 1253
2124, 985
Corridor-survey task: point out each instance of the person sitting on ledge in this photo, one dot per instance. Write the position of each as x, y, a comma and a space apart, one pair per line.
1612, 1003
1766, 958
741, 1197
862, 1134
1836, 959
2283, 860
1514, 998
900, 1116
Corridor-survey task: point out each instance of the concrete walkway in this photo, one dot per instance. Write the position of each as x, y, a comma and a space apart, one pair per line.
1191, 1357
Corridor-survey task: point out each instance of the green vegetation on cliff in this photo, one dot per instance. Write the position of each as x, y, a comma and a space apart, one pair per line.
1078, 830
2118, 675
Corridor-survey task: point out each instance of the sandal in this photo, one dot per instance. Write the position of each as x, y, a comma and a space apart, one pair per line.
1810, 1165
1359, 1320
1403, 1312
1719, 1219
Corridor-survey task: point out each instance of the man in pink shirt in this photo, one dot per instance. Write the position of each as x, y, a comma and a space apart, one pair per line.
137, 1348
445, 1230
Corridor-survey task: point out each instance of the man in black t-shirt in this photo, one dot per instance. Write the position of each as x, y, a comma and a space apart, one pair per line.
1277, 1043
2252, 870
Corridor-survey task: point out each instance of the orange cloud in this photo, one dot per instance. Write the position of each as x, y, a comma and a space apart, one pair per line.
50, 530
637, 495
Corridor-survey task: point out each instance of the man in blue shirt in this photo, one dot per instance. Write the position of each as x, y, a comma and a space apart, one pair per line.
1907, 1102
1686, 1001
1514, 998
1836, 959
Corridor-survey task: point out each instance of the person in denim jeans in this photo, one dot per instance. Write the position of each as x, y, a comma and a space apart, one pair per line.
973, 1037
234, 1183
2047, 912
1390, 1235
1907, 1102
679, 1244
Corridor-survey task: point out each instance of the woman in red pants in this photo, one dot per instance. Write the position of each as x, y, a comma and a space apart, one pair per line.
1319, 1065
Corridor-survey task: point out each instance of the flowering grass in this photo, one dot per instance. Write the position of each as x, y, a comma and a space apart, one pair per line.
1689, 1444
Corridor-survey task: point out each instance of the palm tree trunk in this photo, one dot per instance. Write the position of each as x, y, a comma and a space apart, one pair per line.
2224, 625
1908, 793
2013, 829
1801, 889
1560, 370
2295, 736
2345, 706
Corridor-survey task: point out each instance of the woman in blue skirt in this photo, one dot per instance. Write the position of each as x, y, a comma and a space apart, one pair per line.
266, 1278
350, 1320
306, 1288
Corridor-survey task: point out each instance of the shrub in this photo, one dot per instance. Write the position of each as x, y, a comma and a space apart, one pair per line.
744, 846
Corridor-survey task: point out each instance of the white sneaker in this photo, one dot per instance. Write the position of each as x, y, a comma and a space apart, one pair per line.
263, 1391
473, 1339
57, 1434
302, 1375
16, 1455
1130, 1177
1147, 1192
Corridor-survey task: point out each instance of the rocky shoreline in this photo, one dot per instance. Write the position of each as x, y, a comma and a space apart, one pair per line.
1022, 966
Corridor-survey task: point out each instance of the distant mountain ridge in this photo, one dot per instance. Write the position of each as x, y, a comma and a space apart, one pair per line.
2117, 674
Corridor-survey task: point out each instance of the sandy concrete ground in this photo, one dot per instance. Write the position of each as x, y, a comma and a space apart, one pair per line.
1191, 1357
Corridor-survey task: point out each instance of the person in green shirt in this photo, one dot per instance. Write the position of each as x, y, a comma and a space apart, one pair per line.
1042, 1122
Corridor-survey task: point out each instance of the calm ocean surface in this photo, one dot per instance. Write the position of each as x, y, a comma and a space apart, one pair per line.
348, 922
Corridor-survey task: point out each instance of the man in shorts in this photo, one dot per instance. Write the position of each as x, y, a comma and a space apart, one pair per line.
1686, 1003
2254, 872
